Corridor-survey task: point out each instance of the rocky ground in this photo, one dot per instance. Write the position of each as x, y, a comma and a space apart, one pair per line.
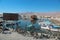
16, 36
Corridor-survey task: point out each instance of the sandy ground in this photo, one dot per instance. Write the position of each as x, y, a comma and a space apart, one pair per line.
16, 36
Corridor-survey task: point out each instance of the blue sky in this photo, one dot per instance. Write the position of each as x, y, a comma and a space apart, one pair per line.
29, 6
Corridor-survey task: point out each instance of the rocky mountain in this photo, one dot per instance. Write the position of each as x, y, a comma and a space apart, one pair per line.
41, 14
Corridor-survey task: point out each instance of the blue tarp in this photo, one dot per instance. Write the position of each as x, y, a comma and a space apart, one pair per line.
27, 23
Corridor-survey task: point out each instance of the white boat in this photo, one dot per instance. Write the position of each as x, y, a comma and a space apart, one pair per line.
49, 26
45, 27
